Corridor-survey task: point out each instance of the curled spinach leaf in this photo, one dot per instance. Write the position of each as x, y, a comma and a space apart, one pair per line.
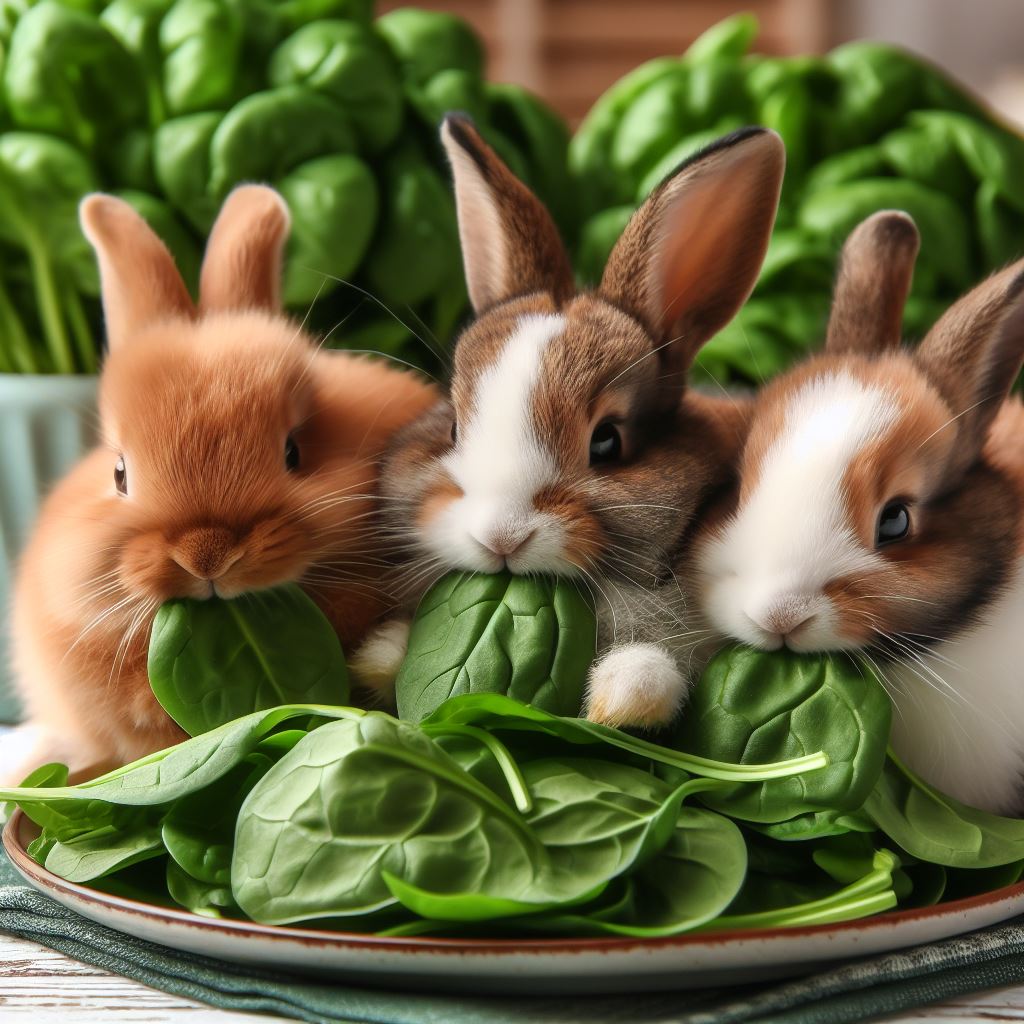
212, 662
752, 707
934, 827
692, 880
532, 639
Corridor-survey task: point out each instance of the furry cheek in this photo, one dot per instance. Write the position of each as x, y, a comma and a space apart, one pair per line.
855, 618
146, 568
583, 538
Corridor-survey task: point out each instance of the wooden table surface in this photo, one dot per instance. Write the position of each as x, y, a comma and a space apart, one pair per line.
41, 986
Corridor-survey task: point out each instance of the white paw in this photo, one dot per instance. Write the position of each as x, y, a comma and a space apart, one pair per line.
635, 685
375, 665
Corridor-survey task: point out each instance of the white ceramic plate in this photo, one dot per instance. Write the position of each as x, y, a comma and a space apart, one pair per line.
565, 966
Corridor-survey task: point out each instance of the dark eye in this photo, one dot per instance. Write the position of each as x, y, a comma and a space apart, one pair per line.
120, 476
455, 431
291, 454
605, 444
893, 523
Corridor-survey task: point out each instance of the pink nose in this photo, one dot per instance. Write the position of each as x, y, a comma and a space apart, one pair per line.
504, 544
785, 615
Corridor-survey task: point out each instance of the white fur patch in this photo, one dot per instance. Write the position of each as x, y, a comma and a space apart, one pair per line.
500, 465
958, 719
792, 537
637, 685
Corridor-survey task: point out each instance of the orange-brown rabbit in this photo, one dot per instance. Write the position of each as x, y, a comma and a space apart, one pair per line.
235, 456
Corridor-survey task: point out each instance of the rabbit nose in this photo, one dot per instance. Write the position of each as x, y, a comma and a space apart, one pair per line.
785, 615
207, 552
505, 543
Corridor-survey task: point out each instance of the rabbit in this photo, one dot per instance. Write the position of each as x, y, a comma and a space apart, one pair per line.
879, 509
569, 443
235, 455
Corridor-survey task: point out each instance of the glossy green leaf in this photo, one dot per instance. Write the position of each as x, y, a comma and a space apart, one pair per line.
532, 639
749, 706
936, 828
690, 881
211, 662
360, 798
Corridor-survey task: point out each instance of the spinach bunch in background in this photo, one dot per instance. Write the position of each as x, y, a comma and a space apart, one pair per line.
170, 103
866, 127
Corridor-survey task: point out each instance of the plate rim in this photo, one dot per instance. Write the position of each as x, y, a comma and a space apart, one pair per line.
14, 843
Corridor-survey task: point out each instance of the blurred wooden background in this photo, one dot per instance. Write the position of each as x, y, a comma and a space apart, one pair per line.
570, 51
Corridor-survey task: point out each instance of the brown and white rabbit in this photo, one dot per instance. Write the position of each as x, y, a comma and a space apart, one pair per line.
880, 509
235, 456
570, 444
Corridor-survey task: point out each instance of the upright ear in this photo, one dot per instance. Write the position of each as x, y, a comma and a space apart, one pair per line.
690, 256
876, 268
242, 265
974, 353
138, 278
510, 245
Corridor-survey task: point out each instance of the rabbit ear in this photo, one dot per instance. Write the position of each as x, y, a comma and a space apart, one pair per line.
974, 353
876, 268
242, 265
139, 281
510, 245
690, 256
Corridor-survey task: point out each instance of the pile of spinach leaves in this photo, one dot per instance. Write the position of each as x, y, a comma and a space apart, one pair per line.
775, 802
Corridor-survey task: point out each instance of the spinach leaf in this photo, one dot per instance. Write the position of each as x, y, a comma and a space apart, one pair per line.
871, 894
166, 775
692, 880
356, 799
530, 638
198, 829
205, 898
934, 827
104, 851
595, 819
818, 825
493, 712
754, 707
213, 661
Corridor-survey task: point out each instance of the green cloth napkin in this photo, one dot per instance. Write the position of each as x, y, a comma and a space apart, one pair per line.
856, 992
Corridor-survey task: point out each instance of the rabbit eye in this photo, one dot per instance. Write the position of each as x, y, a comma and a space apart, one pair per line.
605, 444
893, 523
291, 454
120, 476
455, 431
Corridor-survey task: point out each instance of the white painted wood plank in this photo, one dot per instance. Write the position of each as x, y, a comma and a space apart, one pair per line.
44, 986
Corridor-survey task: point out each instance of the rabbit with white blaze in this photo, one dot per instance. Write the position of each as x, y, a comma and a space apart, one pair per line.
880, 509
570, 443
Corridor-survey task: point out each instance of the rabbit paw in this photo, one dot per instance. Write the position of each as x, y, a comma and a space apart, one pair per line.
635, 685
374, 666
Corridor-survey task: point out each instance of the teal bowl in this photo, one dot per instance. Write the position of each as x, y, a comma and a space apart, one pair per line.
46, 424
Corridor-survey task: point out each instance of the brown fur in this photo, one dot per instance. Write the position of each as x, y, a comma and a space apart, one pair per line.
858, 326
200, 406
